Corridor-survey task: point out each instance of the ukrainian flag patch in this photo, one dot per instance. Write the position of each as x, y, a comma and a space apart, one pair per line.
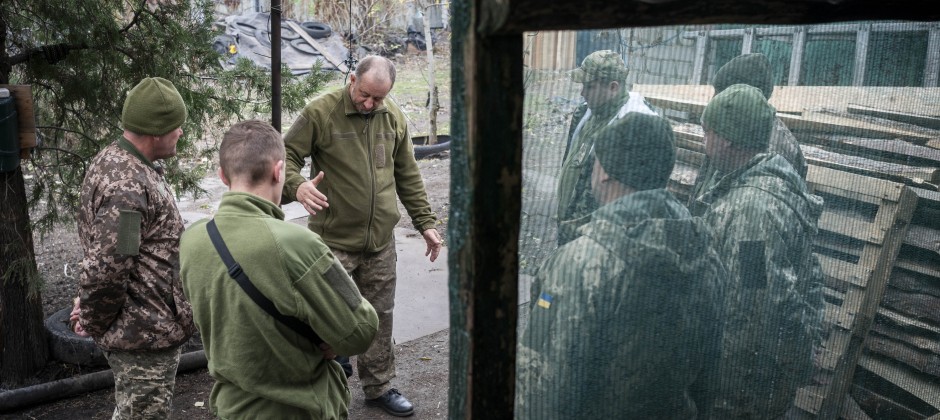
545, 300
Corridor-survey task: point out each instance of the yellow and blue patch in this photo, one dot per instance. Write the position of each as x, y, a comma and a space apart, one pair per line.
545, 300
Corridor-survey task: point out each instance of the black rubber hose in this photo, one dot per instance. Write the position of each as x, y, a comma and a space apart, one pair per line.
82, 384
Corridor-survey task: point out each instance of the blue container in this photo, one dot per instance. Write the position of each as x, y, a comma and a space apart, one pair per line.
9, 133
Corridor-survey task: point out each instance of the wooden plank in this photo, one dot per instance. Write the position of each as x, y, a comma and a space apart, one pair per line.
810, 121
923, 362
893, 217
928, 391
689, 157
918, 305
923, 237
896, 151
914, 283
799, 99
882, 406
25, 114
905, 117
925, 177
851, 227
825, 123
852, 185
319, 47
907, 322
917, 266
917, 341
844, 270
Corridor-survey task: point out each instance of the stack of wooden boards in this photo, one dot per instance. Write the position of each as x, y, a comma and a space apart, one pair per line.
874, 155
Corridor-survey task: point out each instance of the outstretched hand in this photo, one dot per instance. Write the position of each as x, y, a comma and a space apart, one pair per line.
75, 319
310, 197
434, 241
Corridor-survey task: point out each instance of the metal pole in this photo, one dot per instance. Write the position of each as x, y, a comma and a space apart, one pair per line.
276, 64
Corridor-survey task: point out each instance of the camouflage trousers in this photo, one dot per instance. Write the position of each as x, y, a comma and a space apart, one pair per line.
143, 383
375, 275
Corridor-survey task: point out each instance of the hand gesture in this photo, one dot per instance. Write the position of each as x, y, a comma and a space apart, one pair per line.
434, 241
310, 197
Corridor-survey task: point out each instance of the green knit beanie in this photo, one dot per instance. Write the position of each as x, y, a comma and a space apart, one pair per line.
638, 150
750, 69
741, 115
153, 107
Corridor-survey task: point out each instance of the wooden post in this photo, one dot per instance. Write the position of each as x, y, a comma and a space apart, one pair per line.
861, 54
698, 68
796, 55
486, 202
747, 43
932, 67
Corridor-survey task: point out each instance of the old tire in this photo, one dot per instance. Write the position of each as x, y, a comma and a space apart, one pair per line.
68, 347
422, 150
317, 29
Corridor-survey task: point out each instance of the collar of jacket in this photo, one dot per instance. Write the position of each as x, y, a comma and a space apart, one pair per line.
242, 203
350, 109
606, 112
130, 148
654, 217
772, 173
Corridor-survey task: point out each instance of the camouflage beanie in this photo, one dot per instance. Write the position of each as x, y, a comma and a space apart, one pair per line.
741, 115
750, 69
638, 150
153, 107
600, 65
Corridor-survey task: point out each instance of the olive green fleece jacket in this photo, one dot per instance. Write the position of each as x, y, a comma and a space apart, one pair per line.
367, 160
262, 368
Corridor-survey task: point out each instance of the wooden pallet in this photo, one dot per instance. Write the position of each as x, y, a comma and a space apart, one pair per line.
861, 231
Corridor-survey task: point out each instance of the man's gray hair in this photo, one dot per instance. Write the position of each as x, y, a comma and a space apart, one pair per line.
378, 62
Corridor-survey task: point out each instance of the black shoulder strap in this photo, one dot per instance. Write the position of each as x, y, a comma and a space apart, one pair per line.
235, 272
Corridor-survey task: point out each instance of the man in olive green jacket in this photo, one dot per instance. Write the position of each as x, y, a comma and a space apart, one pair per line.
262, 368
363, 158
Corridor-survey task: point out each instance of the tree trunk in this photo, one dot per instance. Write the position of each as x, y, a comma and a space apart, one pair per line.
434, 105
23, 349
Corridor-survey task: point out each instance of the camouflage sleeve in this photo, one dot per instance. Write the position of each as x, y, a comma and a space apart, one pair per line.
112, 259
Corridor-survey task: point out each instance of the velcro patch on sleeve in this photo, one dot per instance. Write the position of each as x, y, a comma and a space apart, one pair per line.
128, 237
343, 285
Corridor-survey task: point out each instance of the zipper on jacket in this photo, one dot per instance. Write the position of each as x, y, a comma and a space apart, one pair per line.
371, 153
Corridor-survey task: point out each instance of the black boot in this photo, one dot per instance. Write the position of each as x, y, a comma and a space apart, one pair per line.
393, 403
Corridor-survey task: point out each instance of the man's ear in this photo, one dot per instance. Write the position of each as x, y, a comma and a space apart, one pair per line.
224, 178
279, 172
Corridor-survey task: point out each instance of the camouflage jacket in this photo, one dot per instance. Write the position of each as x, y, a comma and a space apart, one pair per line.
131, 296
782, 142
764, 221
575, 199
624, 319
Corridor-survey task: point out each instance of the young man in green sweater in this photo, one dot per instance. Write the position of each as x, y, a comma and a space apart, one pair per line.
262, 368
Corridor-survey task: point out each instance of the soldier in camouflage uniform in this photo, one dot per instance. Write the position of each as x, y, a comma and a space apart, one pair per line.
624, 320
764, 221
754, 70
131, 301
603, 78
